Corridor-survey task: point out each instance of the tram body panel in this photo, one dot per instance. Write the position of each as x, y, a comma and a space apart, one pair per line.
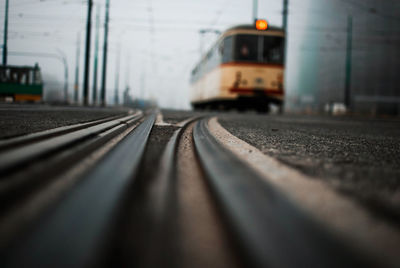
225, 82
245, 65
245, 79
21, 83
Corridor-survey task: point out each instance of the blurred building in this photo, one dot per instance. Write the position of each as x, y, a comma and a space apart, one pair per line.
317, 56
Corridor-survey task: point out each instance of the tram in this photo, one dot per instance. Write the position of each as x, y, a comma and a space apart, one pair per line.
21, 83
243, 70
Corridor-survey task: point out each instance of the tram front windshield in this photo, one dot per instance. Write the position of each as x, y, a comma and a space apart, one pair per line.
258, 49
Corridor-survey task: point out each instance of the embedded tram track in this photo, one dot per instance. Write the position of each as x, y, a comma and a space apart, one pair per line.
30, 164
71, 233
22, 150
265, 223
186, 202
34, 137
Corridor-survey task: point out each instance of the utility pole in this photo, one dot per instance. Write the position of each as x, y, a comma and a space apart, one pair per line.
255, 10
104, 73
65, 62
5, 46
116, 93
128, 71
142, 85
87, 54
66, 98
285, 15
96, 55
78, 55
347, 87
127, 79
285, 26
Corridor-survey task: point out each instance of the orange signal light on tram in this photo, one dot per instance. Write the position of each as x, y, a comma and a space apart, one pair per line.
261, 25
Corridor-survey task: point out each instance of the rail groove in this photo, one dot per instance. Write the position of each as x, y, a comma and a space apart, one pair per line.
164, 203
266, 225
167, 169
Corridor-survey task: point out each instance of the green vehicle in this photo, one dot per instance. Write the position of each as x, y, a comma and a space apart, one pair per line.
21, 83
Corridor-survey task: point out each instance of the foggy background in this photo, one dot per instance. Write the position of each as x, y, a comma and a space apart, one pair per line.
317, 74
159, 44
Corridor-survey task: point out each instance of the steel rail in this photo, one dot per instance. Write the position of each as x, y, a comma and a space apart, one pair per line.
163, 205
153, 210
21, 184
159, 204
167, 170
73, 232
15, 158
269, 229
42, 135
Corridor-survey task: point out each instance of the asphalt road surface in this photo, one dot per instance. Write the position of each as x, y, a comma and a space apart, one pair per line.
357, 156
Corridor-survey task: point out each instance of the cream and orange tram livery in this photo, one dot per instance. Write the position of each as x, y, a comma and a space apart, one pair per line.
243, 70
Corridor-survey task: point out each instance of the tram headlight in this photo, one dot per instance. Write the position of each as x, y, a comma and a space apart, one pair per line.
261, 25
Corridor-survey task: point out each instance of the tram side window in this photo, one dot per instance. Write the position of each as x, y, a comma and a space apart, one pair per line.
246, 48
226, 49
273, 49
